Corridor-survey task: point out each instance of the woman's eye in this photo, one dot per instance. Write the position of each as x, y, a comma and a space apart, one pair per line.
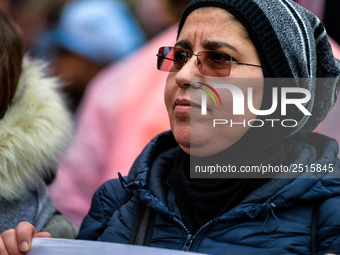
219, 57
179, 56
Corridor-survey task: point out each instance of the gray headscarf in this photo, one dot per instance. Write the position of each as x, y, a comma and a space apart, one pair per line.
292, 43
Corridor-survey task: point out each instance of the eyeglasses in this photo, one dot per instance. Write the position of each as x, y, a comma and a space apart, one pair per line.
210, 63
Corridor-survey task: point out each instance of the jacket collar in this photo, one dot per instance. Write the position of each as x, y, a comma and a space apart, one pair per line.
158, 147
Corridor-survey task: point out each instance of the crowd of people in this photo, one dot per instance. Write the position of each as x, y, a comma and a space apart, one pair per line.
86, 151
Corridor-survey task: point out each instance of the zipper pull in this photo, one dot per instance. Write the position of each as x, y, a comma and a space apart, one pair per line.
268, 226
188, 243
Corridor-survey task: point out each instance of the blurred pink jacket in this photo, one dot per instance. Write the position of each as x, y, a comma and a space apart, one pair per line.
122, 111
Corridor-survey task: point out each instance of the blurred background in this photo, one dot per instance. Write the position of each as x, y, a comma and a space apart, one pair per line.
79, 38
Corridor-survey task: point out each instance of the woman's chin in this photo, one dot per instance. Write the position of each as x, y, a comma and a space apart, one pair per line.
201, 151
182, 139
195, 145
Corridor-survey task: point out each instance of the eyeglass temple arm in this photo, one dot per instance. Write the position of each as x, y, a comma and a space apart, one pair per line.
245, 64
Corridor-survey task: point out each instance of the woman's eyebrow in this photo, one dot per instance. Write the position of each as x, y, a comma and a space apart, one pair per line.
214, 45
185, 44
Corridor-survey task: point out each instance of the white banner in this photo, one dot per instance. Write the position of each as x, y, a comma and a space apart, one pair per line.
55, 246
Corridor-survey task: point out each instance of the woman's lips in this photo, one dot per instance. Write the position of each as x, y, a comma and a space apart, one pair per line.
185, 105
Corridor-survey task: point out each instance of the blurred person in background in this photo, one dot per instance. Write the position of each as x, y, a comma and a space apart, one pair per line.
35, 128
120, 114
90, 35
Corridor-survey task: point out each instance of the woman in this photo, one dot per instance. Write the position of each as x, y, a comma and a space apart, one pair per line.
34, 129
159, 205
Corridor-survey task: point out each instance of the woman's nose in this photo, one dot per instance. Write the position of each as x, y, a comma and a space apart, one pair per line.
189, 70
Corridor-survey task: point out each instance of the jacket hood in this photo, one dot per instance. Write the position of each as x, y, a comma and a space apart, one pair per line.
34, 131
308, 187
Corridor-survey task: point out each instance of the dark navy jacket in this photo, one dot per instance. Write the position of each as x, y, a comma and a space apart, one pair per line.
275, 219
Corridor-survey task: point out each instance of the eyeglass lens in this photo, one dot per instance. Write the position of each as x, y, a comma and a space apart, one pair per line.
211, 63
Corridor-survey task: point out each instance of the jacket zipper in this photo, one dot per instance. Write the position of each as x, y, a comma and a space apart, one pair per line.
190, 239
188, 242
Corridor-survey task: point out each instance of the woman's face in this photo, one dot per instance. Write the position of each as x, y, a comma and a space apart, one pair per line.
210, 29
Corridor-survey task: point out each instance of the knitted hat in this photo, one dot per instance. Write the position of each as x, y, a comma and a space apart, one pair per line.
292, 43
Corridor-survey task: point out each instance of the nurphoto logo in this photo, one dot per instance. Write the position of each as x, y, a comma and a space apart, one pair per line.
238, 99
242, 99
